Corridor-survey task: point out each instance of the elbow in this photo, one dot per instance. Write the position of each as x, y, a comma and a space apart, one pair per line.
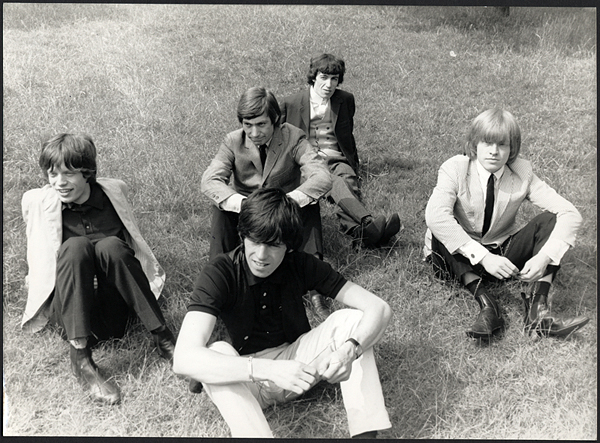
386, 314
180, 363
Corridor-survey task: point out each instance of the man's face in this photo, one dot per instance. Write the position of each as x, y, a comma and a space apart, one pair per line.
263, 259
259, 129
492, 156
325, 84
70, 185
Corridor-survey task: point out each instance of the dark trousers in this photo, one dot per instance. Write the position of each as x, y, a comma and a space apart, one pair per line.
224, 235
123, 289
345, 193
518, 248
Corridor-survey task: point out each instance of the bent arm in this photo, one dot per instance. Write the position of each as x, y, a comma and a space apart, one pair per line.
215, 180
376, 313
194, 360
439, 213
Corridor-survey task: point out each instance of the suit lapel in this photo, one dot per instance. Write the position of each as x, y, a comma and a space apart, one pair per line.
52, 214
305, 111
476, 198
504, 192
335, 102
253, 153
275, 148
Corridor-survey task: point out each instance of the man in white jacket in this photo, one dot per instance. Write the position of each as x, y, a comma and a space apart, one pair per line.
89, 267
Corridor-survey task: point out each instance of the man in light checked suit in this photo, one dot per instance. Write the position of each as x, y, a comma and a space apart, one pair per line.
472, 231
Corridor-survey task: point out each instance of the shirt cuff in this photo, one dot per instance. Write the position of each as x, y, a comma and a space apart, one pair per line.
555, 249
474, 251
233, 203
301, 198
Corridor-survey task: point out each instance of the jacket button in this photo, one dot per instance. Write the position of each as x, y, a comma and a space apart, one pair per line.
246, 337
472, 255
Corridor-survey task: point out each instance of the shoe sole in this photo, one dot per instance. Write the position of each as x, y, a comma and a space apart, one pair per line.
563, 332
483, 335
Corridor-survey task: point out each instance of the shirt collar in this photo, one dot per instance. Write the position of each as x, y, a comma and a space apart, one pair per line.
95, 199
316, 99
275, 277
485, 174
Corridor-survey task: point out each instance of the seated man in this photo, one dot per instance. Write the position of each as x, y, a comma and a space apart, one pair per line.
264, 153
473, 232
79, 229
326, 114
256, 290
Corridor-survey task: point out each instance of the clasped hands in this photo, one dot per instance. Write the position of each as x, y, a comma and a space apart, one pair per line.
333, 366
502, 268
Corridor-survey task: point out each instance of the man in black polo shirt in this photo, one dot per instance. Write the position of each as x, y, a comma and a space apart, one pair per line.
274, 356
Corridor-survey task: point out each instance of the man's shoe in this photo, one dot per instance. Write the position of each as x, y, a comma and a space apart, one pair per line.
319, 305
89, 377
488, 320
165, 343
392, 227
371, 232
539, 319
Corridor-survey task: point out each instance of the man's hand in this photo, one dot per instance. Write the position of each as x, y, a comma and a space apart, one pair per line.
534, 268
290, 375
498, 266
336, 366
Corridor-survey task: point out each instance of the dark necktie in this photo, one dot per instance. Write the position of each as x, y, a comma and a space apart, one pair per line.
489, 205
263, 154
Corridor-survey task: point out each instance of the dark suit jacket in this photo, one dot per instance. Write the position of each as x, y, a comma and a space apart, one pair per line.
295, 109
292, 164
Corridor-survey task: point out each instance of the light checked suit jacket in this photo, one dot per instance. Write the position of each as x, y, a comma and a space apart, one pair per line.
455, 210
42, 212
295, 109
292, 163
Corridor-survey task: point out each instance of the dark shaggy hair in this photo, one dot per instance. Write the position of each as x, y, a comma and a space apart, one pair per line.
269, 216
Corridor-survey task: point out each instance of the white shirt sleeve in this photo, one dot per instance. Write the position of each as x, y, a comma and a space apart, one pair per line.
474, 251
555, 249
233, 203
301, 198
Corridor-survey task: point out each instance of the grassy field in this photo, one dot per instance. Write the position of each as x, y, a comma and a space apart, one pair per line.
157, 85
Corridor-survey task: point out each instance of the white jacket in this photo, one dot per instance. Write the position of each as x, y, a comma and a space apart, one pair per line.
42, 212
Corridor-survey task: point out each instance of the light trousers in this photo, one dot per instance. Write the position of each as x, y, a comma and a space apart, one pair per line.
241, 404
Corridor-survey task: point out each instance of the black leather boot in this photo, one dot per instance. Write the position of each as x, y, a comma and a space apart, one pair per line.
488, 320
165, 343
539, 319
370, 232
89, 377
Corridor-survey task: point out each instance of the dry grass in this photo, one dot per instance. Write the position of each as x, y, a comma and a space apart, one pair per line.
157, 85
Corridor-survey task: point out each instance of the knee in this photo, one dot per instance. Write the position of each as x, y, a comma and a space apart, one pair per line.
546, 218
76, 248
114, 248
224, 348
346, 319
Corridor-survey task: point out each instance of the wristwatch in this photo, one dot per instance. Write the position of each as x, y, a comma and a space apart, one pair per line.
357, 347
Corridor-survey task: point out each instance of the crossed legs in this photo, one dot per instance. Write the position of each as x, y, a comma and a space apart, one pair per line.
241, 404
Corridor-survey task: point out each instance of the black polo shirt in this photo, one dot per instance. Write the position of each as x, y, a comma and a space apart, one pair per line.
96, 218
261, 313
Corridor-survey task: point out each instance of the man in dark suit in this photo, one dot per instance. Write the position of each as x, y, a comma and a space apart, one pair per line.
326, 114
264, 153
